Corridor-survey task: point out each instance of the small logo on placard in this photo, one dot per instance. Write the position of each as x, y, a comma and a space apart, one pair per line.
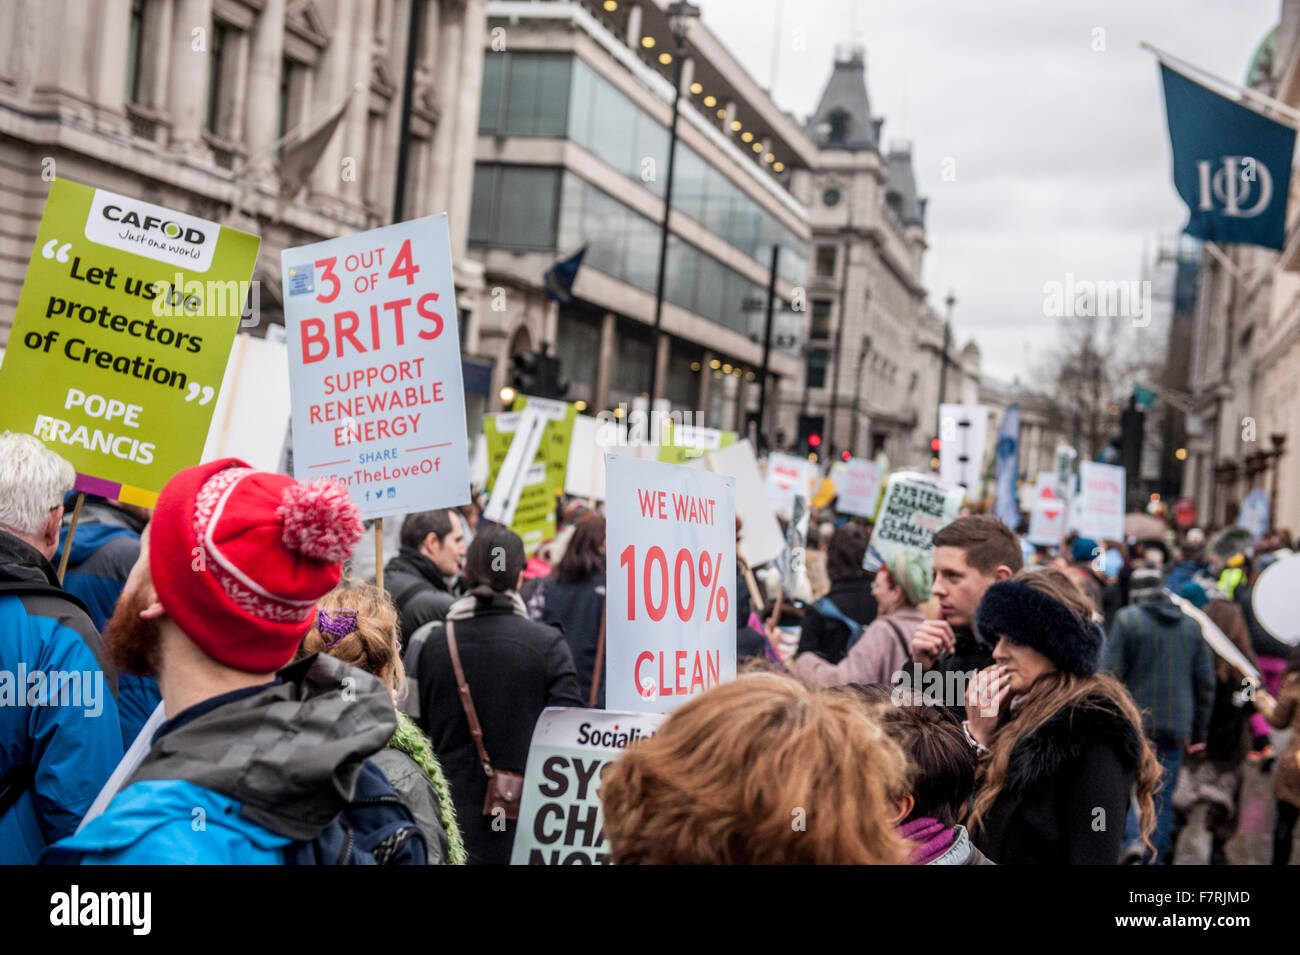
302, 279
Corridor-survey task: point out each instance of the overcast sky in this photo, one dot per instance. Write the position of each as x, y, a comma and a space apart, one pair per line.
1062, 153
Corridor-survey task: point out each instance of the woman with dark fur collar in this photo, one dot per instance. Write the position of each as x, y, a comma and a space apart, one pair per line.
1061, 745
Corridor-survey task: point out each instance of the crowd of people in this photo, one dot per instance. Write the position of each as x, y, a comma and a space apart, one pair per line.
215, 688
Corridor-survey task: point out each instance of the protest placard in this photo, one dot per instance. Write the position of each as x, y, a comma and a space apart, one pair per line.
556, 436
561, 820
1046, 512
671, 558
859, 489
684, 443
761, 538
375, 369
121, 336
251, 418
914, 507
962, 430
785, 475
1101, 488
521, 496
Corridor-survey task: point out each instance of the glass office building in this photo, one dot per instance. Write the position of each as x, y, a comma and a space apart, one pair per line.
573, 152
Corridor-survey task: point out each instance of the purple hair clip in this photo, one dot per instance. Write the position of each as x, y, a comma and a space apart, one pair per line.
336, 623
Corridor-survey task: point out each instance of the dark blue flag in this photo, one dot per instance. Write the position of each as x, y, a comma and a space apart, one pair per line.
1232, 165
560, 276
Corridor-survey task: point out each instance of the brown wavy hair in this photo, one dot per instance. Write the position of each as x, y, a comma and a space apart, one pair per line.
761, 770
374, 645
1059, 691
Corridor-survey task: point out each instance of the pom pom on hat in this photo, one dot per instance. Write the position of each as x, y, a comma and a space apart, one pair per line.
320, 520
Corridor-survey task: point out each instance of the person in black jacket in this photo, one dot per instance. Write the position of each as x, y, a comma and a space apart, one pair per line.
824, 631
573, 596
424, 578
1061, 745
514, 667
970, 555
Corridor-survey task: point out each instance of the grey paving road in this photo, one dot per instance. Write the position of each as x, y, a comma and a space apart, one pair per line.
1253, 844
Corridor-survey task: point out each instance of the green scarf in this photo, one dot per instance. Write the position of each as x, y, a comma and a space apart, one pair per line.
410, 739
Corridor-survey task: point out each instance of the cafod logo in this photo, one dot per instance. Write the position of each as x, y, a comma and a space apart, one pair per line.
171, 229
155, 232
1242, 186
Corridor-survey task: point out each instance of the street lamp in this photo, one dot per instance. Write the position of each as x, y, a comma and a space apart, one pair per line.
950, 301
680, 15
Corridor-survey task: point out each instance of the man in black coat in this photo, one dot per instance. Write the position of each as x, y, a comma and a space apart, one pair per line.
424, 578
970, 555
514, 668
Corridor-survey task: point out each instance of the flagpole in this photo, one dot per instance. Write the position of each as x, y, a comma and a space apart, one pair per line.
1183, 66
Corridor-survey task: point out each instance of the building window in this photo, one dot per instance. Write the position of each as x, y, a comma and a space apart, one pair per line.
216, 77
134, 51
821, 319
525, 94
577, 345
818, 359
826, 261
514, 206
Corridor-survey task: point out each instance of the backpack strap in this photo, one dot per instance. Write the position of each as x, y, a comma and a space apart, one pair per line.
467, 701
889, 621
595, 670
826, 607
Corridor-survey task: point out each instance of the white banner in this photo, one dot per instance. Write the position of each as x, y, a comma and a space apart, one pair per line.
858, 490
962, 430
374, 367
561, 820
671, 577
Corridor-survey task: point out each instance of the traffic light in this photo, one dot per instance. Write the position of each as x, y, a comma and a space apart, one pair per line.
810, 433
524, 376
537, 373
935, 444
846, 455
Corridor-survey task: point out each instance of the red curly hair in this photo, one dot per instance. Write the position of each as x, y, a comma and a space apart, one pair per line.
762, 770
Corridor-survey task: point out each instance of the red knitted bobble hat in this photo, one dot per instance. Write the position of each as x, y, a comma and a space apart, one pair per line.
239, 558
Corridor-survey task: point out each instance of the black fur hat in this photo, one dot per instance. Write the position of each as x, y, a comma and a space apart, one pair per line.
1032, 619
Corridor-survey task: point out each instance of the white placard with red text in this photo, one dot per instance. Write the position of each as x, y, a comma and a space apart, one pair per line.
374, 367
1046, 512
1101, 488
670, 579
787, 474
859, 488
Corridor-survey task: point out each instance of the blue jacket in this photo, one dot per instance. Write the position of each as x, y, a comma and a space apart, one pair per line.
174, 822
69, 745
104, 550
239, 777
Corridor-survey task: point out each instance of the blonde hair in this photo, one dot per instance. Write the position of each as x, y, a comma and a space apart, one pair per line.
760, 770
374, 645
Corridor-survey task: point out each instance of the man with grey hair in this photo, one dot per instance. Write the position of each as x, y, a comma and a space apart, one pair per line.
59, 731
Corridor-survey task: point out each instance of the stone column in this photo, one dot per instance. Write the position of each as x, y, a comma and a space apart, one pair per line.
333, 82
187, 97
661, 366
471, 85
605, 367
112, 26
261, 116
449, 43
706, 382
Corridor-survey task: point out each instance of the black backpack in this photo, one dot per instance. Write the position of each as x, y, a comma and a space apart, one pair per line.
375, 828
